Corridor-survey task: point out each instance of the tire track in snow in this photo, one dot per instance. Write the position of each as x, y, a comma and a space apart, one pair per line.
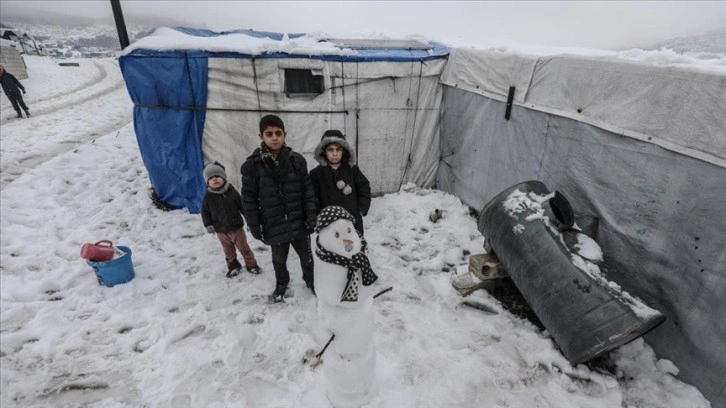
57, 100
101, 74
90, 115
75, 96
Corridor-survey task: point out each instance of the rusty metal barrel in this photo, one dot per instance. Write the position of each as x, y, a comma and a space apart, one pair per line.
586, 315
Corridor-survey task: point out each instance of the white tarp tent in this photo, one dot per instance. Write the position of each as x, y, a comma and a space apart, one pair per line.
388, 110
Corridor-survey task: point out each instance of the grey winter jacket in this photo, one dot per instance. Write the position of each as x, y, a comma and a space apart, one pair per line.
223, 211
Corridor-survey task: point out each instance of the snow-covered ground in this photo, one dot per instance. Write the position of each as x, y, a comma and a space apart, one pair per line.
70, 106
182, 335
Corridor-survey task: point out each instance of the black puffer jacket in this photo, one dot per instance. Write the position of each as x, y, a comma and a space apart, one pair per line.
223, 211
357, 203
280, 209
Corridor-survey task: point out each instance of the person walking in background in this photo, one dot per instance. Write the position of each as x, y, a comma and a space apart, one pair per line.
279, 202
222, 215
12, 87
338, 180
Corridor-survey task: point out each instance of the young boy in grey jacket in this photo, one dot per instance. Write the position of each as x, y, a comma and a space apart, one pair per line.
222, 215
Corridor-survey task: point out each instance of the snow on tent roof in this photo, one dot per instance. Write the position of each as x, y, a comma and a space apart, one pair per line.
173, 41
375, 44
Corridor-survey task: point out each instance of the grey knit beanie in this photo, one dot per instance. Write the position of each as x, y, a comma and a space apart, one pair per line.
214, 169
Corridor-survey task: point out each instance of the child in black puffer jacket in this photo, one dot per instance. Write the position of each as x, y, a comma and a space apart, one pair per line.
222, 215
279, 202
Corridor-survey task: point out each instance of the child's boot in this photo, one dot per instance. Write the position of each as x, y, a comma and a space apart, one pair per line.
311, 286
255, 270
233, 268
279, 292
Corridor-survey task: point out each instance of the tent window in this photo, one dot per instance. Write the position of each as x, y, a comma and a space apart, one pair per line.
304, 83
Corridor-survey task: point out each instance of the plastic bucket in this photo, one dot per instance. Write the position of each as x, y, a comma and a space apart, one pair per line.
115, 271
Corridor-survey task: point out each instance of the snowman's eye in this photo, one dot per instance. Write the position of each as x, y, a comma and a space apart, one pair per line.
337, 235
348, 230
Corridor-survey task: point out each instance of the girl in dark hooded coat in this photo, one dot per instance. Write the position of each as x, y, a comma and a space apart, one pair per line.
338, 180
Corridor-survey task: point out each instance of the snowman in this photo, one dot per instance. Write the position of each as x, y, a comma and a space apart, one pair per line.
343, 279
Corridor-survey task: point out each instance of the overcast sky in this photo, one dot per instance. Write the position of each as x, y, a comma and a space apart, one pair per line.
606, 24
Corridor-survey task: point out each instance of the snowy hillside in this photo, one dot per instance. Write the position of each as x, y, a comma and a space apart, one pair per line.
706, 51
76, 40
711, 43
182, 335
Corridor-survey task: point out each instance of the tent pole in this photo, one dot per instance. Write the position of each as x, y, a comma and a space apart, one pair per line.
357, 110
118, 17
342, 75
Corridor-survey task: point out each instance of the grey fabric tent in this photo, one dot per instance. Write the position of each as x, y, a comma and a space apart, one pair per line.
640, 152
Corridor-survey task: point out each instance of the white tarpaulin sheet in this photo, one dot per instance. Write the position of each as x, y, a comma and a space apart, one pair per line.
489, 73
680, 109
389, 112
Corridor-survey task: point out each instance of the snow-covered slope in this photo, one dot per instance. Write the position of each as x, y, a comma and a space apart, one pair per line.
70, 105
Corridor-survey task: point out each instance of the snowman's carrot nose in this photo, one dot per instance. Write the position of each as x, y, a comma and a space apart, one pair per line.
348, 241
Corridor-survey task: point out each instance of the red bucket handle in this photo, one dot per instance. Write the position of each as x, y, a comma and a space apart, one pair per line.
110, 244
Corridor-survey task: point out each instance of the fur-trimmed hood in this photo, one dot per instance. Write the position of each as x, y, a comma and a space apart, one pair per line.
333, 136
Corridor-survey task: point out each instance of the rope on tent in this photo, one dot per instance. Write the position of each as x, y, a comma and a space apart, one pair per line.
357, 108
413, 130
257, 89
406, 155
201, 108
367, 81
194, 102
189, 76
342, 74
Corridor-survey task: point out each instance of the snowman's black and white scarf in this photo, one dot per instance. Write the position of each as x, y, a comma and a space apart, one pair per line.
359, 261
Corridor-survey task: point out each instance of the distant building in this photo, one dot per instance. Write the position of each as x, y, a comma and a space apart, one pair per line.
26, 42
